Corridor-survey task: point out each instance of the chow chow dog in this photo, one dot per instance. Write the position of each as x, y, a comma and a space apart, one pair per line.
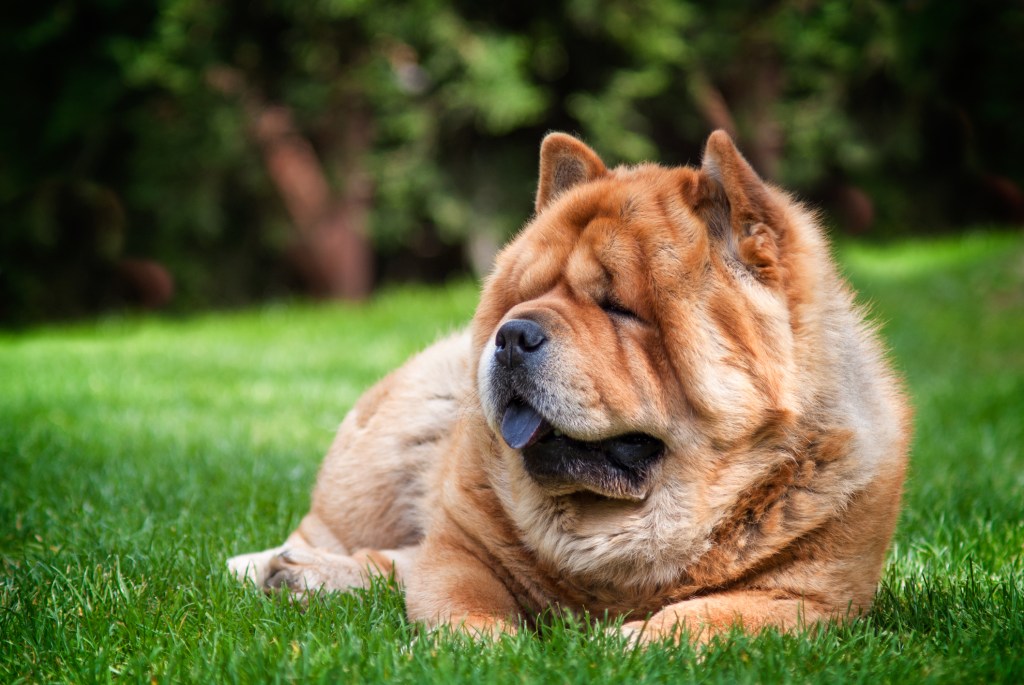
667, 409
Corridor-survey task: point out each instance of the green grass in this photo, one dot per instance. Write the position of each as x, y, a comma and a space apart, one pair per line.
139, 453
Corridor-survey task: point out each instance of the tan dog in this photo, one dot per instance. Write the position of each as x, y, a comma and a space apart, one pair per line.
667, 408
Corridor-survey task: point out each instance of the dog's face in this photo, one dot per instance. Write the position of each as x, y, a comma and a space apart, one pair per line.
636, 328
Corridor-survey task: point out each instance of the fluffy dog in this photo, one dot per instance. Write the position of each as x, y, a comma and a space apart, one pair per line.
667, 408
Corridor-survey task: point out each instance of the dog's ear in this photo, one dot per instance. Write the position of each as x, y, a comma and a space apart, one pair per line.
737, 207
564, 162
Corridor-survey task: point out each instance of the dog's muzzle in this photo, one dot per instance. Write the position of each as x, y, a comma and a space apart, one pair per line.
616, 467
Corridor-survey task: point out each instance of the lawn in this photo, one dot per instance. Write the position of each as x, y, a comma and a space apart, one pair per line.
139, 453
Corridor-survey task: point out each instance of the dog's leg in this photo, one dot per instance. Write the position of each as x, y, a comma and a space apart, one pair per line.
451, 585
704, 617
312, 534
307, 569
372, 492
253, 567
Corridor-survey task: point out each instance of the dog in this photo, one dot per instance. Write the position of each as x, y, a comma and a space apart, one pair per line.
667, 410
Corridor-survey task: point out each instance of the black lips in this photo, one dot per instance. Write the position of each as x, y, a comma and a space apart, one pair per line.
616, 467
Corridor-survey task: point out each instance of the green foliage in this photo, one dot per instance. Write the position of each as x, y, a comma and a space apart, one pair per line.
140, 453
131, 130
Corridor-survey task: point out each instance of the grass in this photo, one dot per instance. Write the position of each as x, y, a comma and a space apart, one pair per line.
139, 453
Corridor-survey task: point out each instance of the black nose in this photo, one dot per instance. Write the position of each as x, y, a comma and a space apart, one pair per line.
518, 340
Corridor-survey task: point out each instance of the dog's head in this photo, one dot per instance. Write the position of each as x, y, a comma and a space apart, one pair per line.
643, 315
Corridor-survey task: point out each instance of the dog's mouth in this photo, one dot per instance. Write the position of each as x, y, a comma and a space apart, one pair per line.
617, 467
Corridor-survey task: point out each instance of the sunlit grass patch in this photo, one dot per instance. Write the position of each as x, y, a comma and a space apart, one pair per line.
139, 453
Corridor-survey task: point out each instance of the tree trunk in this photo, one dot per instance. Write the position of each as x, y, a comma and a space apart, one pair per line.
332, 253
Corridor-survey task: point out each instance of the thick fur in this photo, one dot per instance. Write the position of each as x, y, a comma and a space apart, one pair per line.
699, 307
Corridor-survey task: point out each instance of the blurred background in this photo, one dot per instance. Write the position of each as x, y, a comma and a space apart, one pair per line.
182, 154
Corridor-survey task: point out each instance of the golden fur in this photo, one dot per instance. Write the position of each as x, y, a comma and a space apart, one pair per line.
696, 308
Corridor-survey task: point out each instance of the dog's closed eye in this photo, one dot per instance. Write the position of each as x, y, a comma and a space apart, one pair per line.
614, 308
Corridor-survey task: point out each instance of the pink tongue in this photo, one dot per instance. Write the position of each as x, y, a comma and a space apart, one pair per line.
521, 425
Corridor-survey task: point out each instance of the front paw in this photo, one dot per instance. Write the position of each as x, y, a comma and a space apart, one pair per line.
306, 571
644, 633
292, 570
635, 634
252, 568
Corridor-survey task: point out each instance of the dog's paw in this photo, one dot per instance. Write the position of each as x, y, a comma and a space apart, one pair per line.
252, 568
634, 633
306, 571
640, 634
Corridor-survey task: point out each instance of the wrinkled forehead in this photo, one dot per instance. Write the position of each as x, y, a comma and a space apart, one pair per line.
638, 223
